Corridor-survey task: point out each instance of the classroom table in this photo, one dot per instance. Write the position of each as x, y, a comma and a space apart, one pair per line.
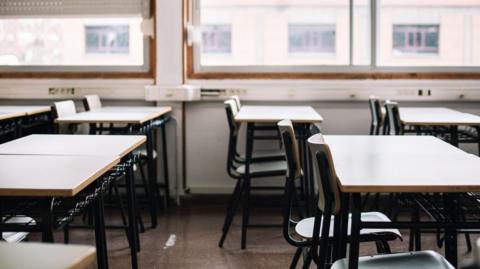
45, 256
50, 179
31, 116
301, 116
429, 167
438, 116
139, 120
84, 145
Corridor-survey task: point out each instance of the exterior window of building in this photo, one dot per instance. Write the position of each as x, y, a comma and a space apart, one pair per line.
108, 39
415, 38
311, 38
217, 39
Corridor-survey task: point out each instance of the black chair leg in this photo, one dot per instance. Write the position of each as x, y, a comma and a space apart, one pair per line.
307, 260
144, 181
246, 212
231, 210
66, 234
118, 199
296, 257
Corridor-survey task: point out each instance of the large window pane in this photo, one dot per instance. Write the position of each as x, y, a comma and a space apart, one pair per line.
361, 32
71, 42
429, 33
274, 32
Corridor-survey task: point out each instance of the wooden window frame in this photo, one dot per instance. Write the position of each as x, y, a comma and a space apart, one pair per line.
191, 74
148, 74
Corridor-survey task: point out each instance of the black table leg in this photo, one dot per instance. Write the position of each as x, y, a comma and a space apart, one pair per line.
100, 238
355, 233
343, 218
152, 177
246, 186
47, 221
132, 223
454, 135
165, 166
451, 249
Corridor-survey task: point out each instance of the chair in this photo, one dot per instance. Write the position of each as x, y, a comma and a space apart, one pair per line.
476, 257
329, 203
412, 260
64, 109
393, 123
260, 167
305, 227
92, 102
267, 127
376, 115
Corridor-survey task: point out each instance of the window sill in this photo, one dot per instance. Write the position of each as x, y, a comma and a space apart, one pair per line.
339, 75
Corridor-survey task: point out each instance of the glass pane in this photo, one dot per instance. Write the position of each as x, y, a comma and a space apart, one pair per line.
429, 33
361, 32
71, 42
274, 32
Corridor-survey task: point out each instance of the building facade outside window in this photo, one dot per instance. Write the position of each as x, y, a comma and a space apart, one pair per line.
107, 39
217, 38
415, 38
311, 38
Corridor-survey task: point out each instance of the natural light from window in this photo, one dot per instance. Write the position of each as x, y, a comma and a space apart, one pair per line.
249, 34
71, 41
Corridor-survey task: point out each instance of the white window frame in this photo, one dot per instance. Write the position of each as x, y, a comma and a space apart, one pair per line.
192, 39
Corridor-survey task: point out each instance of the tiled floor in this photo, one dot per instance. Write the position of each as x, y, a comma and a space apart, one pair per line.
196, 226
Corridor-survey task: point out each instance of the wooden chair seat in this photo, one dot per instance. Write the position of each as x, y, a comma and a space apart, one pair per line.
305, 227
411, 260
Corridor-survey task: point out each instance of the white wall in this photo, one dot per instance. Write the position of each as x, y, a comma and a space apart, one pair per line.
207, 135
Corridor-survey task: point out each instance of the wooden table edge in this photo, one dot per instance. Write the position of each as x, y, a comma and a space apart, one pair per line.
59, 192
275, 121
11, 115
407, 189
39, 111
133, 147
84, 261
94, 177
417, 123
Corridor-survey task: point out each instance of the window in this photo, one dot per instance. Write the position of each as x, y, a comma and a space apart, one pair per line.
311, 38
84, 35
244, 34
107, 39
308, 36
217, 39
428, 34
415, 39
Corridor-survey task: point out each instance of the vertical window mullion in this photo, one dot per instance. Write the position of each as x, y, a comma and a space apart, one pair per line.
351, 14
373, 34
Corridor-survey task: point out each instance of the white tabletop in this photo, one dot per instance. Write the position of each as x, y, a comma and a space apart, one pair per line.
26, 110
429, 167
90, 145
45, 256
436, 116
147, 109
48, 175
387, 144
273, 114
120, 115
